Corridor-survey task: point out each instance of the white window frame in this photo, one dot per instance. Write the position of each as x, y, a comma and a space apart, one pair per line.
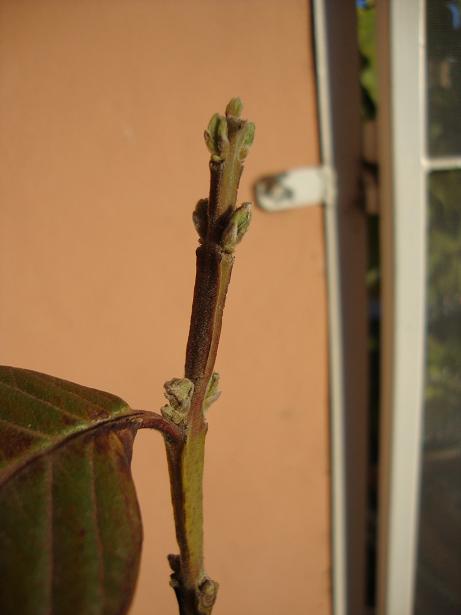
339, 111
404, 165
403, 202
337, 404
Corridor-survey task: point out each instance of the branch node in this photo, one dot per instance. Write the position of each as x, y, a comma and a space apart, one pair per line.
178, 392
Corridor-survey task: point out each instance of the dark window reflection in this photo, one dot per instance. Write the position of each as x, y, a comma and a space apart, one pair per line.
438, 588
444, 76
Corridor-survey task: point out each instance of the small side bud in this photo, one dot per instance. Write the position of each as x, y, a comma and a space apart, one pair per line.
200, 218
208, 593
223, 138
236, 227
210, 134
175, 565
212, 392
248, 136
216, 137
234, 107
169, 414
178, 392
175, 562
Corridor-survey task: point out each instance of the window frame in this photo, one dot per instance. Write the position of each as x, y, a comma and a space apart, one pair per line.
404, 166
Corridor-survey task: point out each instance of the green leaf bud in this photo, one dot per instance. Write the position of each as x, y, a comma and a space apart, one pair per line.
178, 392
236, 227
212, 392
234, 107
216, 137
248, 130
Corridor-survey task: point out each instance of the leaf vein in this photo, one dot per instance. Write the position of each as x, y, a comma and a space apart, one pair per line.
62, 386
13, 376
118, 422
32, 432
51, 555
95, 509
41, 400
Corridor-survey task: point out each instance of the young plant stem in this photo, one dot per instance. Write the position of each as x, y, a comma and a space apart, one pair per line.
220, 226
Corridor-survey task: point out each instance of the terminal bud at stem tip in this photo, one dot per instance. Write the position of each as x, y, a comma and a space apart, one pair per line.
234, 107
225, 133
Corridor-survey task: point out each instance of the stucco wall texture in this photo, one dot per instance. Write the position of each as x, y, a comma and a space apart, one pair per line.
102, 109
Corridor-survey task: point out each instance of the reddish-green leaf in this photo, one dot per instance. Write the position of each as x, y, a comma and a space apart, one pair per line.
70, 528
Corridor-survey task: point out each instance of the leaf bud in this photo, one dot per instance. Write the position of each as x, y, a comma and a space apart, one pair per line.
248, 130
234, 107
216, 137
212, 392
236, 227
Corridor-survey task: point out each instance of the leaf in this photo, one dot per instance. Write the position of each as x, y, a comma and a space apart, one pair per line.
70, 527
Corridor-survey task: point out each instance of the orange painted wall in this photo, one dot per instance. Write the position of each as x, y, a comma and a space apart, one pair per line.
102, 108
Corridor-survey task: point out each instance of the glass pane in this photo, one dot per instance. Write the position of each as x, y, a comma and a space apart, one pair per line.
443, 23
438, 588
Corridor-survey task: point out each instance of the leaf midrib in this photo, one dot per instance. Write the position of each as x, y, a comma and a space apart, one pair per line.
118, 422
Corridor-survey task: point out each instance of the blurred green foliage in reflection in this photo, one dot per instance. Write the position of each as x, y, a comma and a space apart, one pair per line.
443, 375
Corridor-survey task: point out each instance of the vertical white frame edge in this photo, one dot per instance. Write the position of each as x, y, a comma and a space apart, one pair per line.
337, 433
404, 204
